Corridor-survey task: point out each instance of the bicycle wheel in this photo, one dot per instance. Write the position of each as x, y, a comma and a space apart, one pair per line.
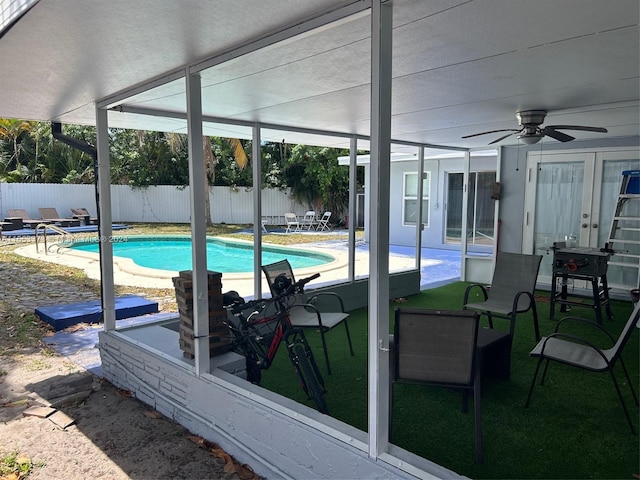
309, 381
254, 374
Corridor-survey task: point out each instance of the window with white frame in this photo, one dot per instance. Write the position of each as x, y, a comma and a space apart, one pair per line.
410, 198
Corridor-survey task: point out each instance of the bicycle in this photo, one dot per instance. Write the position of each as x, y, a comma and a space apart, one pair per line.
258, 333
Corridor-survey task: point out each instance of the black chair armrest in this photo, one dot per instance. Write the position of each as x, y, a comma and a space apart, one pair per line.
584, 321
317, 300
310, 308
516, 299
470, 288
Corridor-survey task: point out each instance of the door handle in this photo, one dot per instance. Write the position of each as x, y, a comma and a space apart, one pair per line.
584, 225
595, 225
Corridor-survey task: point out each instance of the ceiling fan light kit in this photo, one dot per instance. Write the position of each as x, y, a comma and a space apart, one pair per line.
530, 138
532, 132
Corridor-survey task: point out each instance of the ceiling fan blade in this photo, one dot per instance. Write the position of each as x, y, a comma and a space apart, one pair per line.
494, 131
503, 137
560, 136
578, 127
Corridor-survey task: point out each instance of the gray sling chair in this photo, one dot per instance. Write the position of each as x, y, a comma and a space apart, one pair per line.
511, 292
437, 347
321, 311
582, 353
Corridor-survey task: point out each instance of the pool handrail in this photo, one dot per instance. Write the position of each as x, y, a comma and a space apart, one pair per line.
49, 226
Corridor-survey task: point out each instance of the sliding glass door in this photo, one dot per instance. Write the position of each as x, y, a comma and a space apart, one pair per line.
480, 211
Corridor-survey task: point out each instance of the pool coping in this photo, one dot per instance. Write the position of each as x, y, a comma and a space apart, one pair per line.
127, 265
128, 273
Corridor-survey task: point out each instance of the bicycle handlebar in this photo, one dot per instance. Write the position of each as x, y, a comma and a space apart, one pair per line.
261, 303
299, 285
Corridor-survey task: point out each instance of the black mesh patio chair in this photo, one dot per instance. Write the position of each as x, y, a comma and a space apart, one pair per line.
321, 311
578, 352
438, 347
511, 292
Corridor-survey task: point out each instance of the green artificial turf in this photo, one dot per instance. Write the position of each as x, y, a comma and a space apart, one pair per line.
574, 427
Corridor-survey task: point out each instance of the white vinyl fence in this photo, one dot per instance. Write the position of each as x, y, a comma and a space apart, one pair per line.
157, 204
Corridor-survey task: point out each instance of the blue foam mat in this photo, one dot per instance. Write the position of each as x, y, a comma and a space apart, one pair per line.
63, 316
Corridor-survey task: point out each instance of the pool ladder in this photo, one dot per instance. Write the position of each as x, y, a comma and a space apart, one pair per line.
66, 236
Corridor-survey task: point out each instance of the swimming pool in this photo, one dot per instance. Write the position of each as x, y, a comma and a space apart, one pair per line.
225, 256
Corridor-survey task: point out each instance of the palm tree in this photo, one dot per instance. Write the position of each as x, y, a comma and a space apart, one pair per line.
11, 129
176, 142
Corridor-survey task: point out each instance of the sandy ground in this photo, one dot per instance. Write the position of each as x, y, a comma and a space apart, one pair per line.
72, 425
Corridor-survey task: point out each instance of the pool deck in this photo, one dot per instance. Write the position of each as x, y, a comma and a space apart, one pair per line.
438, 266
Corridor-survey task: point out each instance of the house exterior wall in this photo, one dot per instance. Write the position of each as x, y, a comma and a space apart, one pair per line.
512, 195
513, 181
433, 235
279, 438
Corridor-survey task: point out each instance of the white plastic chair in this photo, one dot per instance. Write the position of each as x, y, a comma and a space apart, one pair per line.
292, 222
309, 220
323, 223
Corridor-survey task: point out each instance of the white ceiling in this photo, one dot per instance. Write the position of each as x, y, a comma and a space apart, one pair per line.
459, 66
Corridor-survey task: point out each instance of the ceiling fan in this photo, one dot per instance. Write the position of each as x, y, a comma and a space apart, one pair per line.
532, 132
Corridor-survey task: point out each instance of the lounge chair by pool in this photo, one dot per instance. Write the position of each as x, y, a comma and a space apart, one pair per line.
27, 221
51, 214
84, 215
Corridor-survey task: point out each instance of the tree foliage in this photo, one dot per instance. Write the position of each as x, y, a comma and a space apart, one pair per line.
28, 153
316, 180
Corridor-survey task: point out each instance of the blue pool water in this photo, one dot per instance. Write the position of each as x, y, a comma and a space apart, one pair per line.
222, 255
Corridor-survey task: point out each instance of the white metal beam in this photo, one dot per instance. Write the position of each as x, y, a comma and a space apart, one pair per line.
257, 211
353, 206
197, 175
104, 207
381, 39
419, 224
465, 206
274, 126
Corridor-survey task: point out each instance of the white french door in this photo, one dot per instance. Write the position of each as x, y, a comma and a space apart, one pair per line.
574, 193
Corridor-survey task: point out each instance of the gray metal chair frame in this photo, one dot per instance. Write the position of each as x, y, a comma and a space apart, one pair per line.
511, 292
581, 353
439, 348
322, 310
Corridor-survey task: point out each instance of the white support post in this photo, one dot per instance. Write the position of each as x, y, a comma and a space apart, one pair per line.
419, 224
496, 206
353, 171
465, 206
257, 211
104, 200
381, 39
198, 224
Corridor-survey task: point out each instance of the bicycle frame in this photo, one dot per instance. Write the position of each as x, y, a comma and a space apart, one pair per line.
259, 338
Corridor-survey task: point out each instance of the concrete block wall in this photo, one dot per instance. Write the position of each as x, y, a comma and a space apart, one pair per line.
277, 437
